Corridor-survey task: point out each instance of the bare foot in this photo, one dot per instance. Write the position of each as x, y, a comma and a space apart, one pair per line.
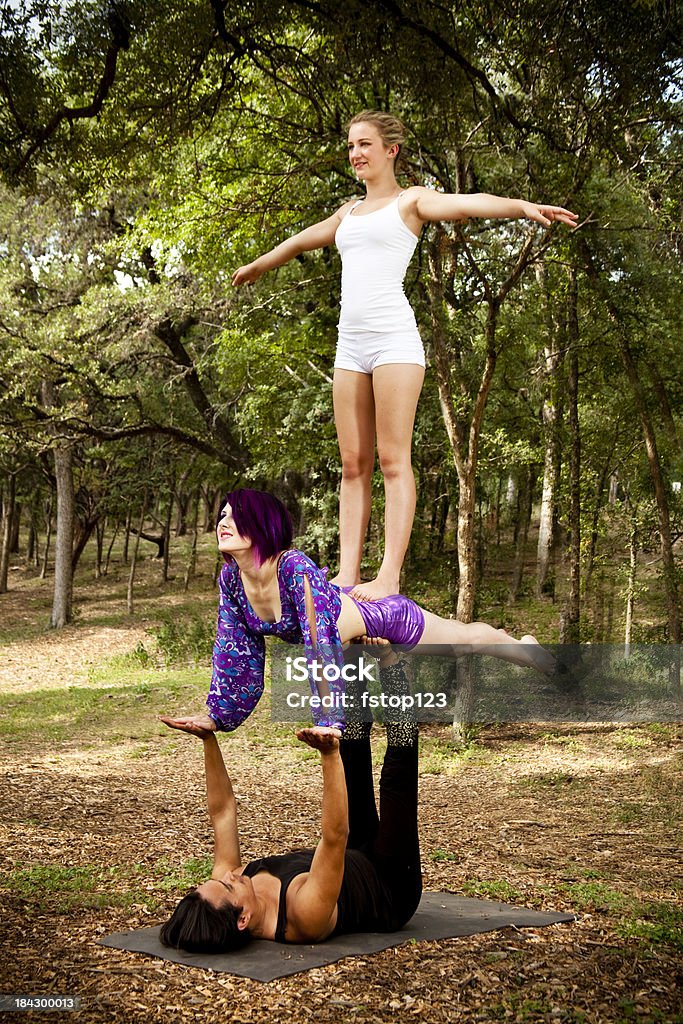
344, 581
540, 659
375, 590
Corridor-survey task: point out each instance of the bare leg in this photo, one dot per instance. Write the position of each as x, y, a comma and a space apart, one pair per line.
480, 638
397, 388
354, 417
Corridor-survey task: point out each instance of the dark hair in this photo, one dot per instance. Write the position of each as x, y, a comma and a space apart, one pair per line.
262, 518
198, 927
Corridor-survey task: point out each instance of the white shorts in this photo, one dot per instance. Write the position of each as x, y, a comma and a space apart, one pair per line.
364, 351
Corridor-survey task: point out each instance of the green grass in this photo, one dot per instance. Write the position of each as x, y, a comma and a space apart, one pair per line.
627, 739
189, 640
500, 890
548, 780
90, 713
441, 856
593, 895
443, 757
62, 889
655, 923
180, 877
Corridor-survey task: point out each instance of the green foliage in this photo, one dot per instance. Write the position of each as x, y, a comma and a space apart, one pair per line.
186, 641
219, 135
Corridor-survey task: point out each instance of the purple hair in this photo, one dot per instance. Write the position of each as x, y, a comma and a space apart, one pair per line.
262, 519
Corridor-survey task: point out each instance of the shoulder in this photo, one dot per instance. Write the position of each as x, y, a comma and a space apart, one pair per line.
410, 197
294, 562
229, 577
413, 193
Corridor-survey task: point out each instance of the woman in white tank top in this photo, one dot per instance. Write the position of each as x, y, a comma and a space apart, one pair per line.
379, 367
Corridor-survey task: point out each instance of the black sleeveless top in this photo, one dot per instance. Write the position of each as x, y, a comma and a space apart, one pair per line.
365, 904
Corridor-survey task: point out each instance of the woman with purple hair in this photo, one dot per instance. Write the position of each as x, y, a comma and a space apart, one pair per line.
268, 588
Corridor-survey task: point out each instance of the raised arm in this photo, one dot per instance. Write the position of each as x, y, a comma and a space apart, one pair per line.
222, 806
220, 797
313, 910
430, 205
317, 236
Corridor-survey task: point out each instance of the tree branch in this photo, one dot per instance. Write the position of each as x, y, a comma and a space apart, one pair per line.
120, 41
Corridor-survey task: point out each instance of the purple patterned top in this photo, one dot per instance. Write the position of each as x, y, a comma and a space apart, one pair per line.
239, 650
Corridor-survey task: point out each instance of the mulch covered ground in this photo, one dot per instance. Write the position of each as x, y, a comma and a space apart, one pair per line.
582, 819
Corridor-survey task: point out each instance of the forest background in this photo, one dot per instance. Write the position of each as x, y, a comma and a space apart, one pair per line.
150, 148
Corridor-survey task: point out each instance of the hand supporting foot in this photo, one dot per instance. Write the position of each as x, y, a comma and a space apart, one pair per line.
380, 649
196, 725
321, 737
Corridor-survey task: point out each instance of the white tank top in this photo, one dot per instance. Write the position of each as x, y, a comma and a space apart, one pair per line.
375, 249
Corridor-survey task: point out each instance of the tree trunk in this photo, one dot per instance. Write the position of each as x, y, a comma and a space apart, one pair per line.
167, 533
99, 536
62, 605
525, 494
83, 531
467, 555
192, 561
8, 506
134, 559
593, 545
16, 525
571, 632
110, 548
631, 588
126, 536
48, 536
552, 418
545, 580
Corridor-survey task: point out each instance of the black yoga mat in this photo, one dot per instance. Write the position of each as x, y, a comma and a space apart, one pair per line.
441, 915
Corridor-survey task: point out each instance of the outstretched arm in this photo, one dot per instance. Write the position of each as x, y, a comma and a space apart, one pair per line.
431, 205
222, 806
238, 660
220, 797
315, 237
313, 911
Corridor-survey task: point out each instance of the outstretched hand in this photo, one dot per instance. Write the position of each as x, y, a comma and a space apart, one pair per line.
246, 274
197, 725
547, 215
321, 737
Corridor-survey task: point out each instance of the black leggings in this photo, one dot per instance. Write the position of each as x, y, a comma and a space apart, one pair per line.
388, 839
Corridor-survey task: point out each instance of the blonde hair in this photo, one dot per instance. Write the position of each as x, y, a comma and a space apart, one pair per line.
390, 129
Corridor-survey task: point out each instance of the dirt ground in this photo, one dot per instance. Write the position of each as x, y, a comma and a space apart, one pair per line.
584, 819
